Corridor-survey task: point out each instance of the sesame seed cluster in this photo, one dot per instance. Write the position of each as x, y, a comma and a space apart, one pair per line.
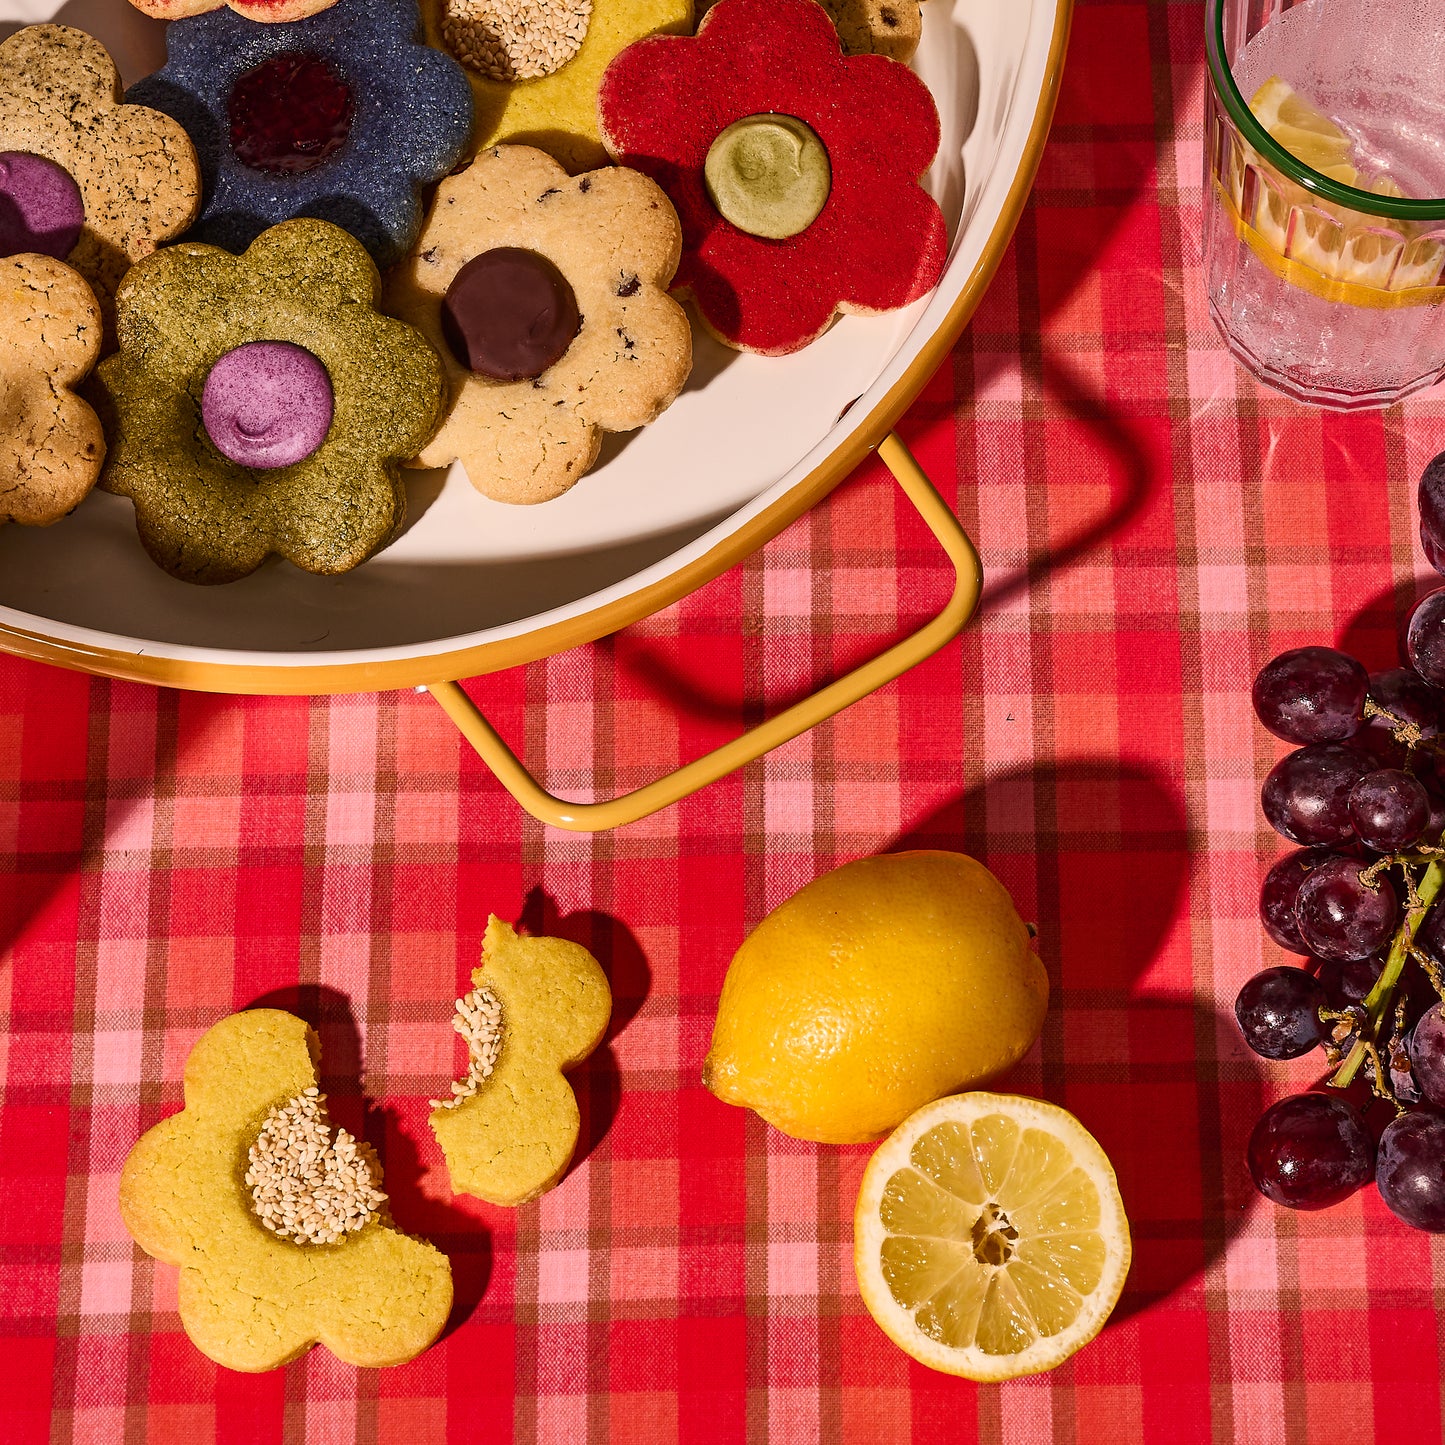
510, 40
303, 1185
478, 1020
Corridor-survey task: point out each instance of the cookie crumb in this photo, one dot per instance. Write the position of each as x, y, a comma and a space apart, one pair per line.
510, 40
479, 1021
305, 1186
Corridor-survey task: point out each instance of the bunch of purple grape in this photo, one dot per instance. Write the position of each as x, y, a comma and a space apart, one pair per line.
1363, 795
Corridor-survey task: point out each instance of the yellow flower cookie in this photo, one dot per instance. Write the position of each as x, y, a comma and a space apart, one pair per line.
535, 65
540, 1005
280, 1247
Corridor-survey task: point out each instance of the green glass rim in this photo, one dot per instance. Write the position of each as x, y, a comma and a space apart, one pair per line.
1397, 207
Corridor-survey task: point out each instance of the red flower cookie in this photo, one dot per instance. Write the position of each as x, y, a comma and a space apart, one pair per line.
878, 241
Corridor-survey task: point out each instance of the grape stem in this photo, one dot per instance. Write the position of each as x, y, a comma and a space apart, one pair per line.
1377, 1002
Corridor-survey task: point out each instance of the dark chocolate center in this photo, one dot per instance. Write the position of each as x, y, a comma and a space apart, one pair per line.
509, 314
289, 113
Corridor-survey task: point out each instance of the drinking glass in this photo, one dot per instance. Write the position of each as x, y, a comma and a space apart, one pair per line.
1332, 293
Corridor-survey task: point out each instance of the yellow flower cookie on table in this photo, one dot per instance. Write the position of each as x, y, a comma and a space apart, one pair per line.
534, 65
539, 1006
277, 1255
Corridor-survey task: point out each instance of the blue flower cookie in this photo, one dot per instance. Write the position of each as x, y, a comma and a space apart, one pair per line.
342, 116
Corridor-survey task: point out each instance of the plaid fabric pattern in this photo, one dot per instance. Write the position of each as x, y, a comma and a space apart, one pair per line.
1153, 526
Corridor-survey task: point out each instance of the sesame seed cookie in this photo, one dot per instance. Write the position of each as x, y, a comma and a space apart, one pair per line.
251, 1298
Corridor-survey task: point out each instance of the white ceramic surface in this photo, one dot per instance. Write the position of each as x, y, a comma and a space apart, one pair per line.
466, 570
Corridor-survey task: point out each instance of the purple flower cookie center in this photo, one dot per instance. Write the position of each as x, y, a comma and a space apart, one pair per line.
289, 113
267, 404
41, 209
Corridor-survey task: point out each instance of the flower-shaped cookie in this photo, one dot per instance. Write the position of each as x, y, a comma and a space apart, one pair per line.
270, 12
52, 445
345, 115
874, 27
135, 170
260, 404
251, 1298
517, 257
816, 153
535, 65
539, 1005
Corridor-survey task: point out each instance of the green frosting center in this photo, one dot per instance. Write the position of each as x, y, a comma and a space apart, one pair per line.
769, 175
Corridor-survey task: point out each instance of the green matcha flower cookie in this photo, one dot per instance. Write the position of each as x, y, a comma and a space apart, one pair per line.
260, 404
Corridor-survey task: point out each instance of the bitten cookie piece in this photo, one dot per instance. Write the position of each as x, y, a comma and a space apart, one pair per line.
260, 404
540, 1005
210, 1189
546, 297
52, 446
134, 170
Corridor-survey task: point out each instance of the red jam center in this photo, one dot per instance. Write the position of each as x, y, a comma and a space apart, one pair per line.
289, 114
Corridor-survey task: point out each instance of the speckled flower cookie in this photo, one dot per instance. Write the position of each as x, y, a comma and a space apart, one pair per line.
260, 404
546, 297
876, 27
277, 1252
346, 116
51, 447
534, 65
539, 1006
88, 180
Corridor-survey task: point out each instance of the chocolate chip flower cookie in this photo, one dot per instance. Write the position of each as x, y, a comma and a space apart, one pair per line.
84, 178
538, 1006
280, 1228
346, 116
51, 447
546, 297
260, 404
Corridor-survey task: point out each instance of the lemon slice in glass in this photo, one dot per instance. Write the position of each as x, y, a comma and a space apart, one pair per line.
1303, 131
990, 1240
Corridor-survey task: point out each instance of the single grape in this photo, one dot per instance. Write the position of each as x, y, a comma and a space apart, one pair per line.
1427, 1054
1279, 1012
1340, 915
1311, 695
1278, 892
1432, 513
1404, 694
1390, 809
1307, 794
1310, 1151
1425, 638
1348, 980
1410, 1172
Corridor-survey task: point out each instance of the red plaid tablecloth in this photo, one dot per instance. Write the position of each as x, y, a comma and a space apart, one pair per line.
1153, 526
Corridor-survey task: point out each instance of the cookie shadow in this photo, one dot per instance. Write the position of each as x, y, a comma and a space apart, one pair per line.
447, 1223
597, 1081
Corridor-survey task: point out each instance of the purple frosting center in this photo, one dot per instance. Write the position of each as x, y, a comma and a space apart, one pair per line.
41, 209
267, 404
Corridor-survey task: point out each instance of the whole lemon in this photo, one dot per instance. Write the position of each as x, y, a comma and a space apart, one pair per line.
876, 989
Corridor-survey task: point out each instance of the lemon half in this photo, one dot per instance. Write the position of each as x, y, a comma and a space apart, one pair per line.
990, 1240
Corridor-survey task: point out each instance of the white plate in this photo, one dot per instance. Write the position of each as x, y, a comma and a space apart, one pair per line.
662, 508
